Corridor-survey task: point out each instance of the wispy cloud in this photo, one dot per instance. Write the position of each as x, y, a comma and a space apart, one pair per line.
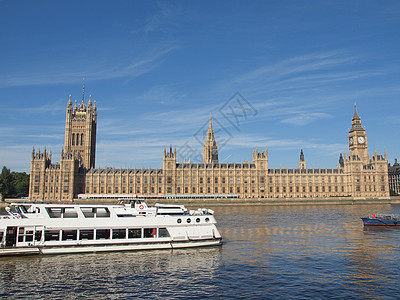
95, 69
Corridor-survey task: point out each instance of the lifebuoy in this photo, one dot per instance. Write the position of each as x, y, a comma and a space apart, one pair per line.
373, 216
141, 206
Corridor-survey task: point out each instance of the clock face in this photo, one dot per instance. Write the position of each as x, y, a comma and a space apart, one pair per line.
351, 141
361, 140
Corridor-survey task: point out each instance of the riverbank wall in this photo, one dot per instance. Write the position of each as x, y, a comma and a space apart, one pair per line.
242, 201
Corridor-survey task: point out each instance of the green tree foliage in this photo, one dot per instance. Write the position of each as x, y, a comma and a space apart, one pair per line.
13, 184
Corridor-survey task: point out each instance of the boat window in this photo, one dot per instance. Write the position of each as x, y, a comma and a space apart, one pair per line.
207, 220
150, 232
70, 212
119, 233
25, 234
134, 233
179, 221
38, 235
69, 235
29, 235
102, 212
21, 234
88, 212
1, 235
102, 234
197, 220
54, 212
52, 235
163, 232
188, 220
86, 234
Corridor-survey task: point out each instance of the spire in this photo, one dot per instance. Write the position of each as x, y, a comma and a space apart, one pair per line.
356, 121
356, 116
69, 101
301, 155
83, 91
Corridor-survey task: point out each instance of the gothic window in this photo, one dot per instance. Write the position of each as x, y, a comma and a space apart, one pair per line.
194, 190
77, 139
216, 179
186, 190
178, 190
82, 139
216, 190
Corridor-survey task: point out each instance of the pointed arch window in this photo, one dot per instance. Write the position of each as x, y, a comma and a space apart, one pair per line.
82, 139
73, 139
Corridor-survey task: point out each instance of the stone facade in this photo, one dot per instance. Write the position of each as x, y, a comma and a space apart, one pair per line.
394, 177
358, 174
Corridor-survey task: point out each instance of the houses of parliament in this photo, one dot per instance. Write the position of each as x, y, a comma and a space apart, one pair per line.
358, 174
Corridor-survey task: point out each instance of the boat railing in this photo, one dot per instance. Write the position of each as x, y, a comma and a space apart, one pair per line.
384, 217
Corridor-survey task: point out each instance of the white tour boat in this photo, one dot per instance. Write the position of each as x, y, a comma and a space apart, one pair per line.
39, 228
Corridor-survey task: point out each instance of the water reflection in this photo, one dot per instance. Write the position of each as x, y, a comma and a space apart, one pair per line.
126, 274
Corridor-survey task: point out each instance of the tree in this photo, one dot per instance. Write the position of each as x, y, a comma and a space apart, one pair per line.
6, 182
13, 184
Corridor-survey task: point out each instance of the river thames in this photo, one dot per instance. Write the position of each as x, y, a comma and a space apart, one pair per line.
268, 252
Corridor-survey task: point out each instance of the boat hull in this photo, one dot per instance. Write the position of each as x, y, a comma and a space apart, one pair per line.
106, 248
379, 222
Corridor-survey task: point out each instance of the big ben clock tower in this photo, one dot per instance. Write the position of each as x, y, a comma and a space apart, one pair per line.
358, 139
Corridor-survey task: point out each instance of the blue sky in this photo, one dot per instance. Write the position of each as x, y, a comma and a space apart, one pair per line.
278, 74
